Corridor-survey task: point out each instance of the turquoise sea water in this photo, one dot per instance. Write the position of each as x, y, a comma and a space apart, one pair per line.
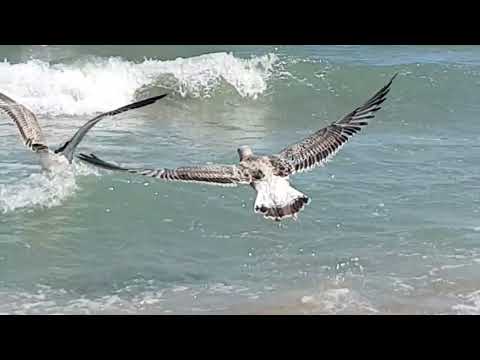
393, 226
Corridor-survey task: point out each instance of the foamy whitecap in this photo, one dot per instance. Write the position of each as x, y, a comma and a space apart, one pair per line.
470, 306
42, 190
38, 190
338, 300
102, 84
136, 297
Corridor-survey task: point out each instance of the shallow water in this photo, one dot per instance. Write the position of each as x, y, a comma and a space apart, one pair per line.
393, 223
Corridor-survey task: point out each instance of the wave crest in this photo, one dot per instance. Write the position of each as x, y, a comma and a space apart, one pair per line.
101, 84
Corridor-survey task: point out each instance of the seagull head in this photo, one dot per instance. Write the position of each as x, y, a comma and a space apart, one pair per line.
244, 152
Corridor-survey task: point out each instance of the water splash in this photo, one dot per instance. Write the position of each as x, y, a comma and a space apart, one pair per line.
101, 84
42, 190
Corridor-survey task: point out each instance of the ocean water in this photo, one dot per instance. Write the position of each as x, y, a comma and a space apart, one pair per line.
393, 226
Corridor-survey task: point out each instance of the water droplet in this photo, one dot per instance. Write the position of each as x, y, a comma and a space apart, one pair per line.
107, 210
146, 184
249, 254
111, 188
155, 193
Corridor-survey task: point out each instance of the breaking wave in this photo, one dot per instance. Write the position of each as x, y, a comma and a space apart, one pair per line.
101, 84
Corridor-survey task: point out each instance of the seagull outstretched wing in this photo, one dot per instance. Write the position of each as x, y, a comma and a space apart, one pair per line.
220, 175
321, 146
68, 148
26, 122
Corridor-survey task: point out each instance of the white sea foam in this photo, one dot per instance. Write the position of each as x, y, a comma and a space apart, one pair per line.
101, 84
42, 190
470, 304
137, 297
338, 300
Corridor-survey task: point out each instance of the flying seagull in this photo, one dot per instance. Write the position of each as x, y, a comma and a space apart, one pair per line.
33, 138
269, 175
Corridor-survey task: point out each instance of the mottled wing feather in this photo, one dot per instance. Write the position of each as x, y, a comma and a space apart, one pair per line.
220, 175
320, 147
26, 122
